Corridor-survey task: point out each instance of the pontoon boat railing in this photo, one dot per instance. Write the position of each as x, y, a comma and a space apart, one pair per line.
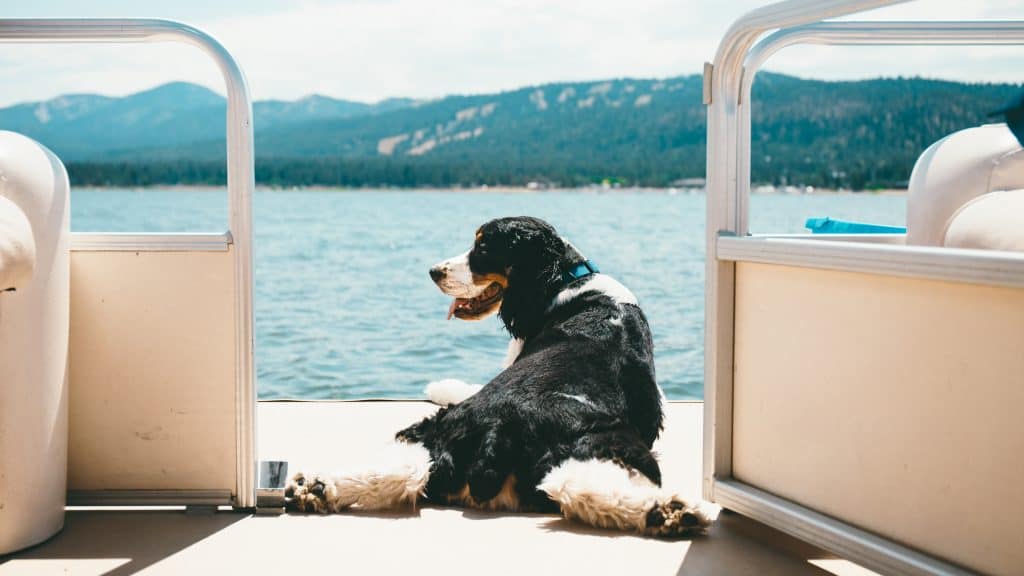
728, 80
240, 183
726, 208
856, 34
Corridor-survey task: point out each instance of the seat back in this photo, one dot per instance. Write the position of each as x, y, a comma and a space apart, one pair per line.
955, 171
34, 322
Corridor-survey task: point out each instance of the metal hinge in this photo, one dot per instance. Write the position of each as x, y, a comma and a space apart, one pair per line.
270, 487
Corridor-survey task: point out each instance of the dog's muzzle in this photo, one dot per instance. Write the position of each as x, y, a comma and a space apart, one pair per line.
474, 297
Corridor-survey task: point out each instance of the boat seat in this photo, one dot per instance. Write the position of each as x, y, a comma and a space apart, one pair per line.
17, 246
967, 191
993, 221
34, 328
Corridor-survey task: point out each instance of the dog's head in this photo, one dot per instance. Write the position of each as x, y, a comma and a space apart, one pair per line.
514, 267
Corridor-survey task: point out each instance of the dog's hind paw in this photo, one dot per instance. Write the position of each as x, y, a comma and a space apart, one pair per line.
308, 493
675, 518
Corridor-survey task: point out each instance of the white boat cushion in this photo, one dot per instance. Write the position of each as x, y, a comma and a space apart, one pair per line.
955, 170
17, 247
993, 221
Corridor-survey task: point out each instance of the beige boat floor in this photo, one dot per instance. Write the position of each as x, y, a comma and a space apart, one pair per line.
312, 436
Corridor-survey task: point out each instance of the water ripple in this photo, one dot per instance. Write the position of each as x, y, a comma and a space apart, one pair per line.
344, 307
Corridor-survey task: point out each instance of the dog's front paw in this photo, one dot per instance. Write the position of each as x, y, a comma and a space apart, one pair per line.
415, 433
674, 518
450, 391
308, 493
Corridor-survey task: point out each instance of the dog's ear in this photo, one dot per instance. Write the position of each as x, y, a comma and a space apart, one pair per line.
525, 241
534, 278
540, 274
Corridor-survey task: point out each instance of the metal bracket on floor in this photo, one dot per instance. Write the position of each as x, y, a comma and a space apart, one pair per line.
270, 487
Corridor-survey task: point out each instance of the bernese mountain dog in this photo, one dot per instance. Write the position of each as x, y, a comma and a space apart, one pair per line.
566, 427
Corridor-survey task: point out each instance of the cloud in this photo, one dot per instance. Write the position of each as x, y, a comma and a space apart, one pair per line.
967, 63
368, 50
371, 50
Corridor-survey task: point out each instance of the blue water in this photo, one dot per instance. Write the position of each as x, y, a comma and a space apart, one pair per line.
344, 306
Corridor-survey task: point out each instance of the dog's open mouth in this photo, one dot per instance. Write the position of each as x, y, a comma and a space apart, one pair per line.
472, 308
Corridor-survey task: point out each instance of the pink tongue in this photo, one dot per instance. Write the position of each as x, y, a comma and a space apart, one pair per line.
451, 309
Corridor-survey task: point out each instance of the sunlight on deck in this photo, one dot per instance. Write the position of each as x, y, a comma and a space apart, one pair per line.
321, 435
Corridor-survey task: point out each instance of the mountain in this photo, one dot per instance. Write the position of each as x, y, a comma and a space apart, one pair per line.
38, 115
82, 126
856, 134
89, 127
648, 131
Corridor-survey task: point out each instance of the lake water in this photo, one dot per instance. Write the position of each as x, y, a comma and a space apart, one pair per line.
344, 306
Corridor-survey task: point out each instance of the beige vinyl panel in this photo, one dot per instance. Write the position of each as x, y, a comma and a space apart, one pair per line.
152, 371
894, 404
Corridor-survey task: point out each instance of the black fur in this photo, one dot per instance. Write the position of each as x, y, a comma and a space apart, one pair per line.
526, 421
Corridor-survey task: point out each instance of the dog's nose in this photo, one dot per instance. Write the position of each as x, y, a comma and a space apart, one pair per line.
436, 273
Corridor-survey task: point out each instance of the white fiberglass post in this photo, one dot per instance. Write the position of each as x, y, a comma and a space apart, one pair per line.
240, 181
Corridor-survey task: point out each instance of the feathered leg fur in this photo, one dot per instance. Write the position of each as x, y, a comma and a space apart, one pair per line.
604, 494
397, 480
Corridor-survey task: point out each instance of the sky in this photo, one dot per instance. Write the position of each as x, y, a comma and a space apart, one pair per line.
368, 50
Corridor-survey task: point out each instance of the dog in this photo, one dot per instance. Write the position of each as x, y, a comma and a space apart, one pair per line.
567, 426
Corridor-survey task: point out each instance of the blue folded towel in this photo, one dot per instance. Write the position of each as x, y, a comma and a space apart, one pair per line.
830, 226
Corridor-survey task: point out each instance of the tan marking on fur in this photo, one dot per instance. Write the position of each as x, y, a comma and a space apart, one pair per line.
492, 278
506, 500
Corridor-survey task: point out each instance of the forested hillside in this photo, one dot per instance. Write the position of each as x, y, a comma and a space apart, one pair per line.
647, 132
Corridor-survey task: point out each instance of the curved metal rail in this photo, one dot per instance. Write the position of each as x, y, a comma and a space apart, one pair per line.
726, 209
745, 48
240, 180
855, 34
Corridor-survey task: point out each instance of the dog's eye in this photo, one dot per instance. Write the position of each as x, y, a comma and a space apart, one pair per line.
481, 247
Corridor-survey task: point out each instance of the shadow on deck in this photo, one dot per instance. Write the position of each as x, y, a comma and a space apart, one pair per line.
315, 435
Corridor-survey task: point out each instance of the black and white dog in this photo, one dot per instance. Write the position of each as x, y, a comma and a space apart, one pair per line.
568, 425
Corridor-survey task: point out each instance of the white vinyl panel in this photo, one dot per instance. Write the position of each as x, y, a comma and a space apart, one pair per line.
891, 403
152, 371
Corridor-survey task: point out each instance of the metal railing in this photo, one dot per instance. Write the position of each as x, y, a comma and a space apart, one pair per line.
240, 182
728, 79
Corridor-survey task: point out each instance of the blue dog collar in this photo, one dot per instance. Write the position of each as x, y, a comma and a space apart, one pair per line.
578, 271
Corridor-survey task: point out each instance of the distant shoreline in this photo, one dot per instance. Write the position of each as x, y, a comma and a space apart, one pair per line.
690, 191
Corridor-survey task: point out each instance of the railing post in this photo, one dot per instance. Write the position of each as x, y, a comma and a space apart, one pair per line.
240, 182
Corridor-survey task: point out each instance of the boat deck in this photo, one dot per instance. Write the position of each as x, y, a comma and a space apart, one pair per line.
313, 435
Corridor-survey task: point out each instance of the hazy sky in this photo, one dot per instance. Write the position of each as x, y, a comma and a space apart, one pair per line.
373, 49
